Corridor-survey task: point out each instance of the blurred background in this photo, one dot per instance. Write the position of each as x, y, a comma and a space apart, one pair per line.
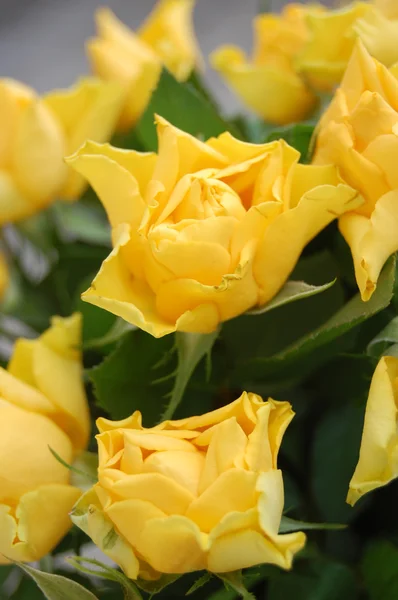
42, 41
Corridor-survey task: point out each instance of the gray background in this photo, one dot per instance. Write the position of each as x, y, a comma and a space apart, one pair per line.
42, 41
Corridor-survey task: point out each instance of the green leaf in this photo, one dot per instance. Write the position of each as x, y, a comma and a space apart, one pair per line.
380, 571
380, 343
26, 590
130, 590
288, 525
205, 578
5, 571
298, 135
247, 339
191, 348
391, 351
184, 107
79, 221
56, 587
134, 376
334, 456
196, 80
312, 349
321, 580
235, 581
292, 291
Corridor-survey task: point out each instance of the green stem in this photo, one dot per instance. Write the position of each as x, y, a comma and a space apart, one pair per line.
46, 564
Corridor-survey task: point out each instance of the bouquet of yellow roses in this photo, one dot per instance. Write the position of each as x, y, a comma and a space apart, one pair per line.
175, 286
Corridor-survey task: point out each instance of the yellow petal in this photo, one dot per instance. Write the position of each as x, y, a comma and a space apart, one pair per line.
277, 95
244, 409
37, 155
234, 521
379, 34
266, 437
279, 37
26, 461
383, 151
324, 57
280, 417
179, 154
233, 490
388, 7
89, 516
40, 522
132, 516
372, 240
43, 516
170, 33
115, 290
306, 177
15, 97
205, 262
270, 501
161, 491
173, 545
275, 258
19, 393
226, 450
132, 422
157, 440
14, 204
336, 145
236, 293
89, 110
53, 364
378, 455
247, 548
184, 468
365, 73
119, 178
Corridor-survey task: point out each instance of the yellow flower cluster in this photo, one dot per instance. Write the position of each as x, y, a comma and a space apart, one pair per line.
202, 231
302, 51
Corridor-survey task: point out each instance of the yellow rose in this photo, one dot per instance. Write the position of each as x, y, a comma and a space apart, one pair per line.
268, 83
42, 404
36, 134
204, 231
378, 457
199, 493
359, 134
4, 276
331, 39
135, 59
